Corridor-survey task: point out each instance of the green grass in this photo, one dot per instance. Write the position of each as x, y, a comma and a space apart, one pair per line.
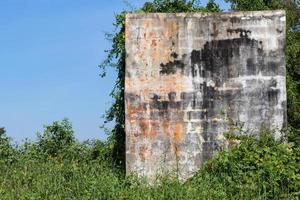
254, 169
72, 180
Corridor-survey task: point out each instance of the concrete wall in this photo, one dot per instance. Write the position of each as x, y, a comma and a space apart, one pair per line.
191, 77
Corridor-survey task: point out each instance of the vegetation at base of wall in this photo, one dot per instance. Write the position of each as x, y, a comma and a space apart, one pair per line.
254, 168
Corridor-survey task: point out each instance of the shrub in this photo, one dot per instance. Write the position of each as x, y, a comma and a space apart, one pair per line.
7, 151
258, 167
56, 139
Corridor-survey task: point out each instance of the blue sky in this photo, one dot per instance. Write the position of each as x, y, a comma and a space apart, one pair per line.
49, 53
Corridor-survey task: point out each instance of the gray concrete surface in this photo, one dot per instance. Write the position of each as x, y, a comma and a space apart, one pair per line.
192, 77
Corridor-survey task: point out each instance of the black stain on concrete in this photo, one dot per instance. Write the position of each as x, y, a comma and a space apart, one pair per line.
251, 66
243, 33
172, 96
218, 61
235, 20
273, 97
174, 55
132, 99
171, 67
155, 97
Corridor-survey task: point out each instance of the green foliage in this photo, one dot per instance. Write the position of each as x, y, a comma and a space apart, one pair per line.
7, 152
254, 169
293, 77
56, 139
171, 6
260, 167
116, 59
212, 7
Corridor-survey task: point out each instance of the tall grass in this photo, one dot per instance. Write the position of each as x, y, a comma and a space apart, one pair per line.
253, 169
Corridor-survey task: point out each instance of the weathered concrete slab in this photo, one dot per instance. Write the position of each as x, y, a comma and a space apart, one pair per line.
191, 77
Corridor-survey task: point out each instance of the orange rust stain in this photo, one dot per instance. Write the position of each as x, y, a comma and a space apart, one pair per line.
154, 43
166, 127
159, 84
156, 50
144, 125
150, 35
148, 128
158, 47
132, 146
172, 29
133, 110
154, 126
178, 134
151, 40
142, 153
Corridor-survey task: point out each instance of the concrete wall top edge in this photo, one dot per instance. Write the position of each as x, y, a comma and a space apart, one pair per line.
264, 13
